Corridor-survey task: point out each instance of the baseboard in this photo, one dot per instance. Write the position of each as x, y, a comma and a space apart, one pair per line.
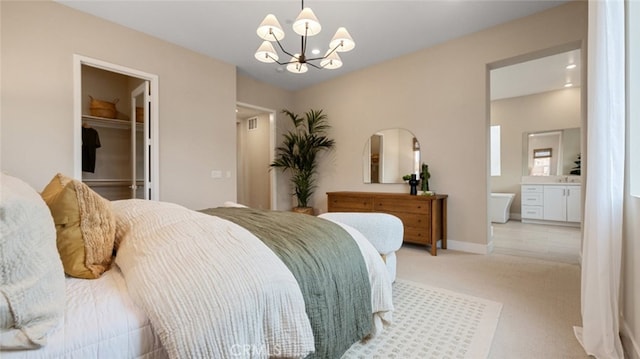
631, 347
470, 247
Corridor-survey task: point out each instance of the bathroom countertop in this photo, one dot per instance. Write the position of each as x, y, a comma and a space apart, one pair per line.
552, 183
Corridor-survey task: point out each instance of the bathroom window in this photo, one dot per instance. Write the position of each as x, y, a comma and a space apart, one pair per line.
495, 150
541, 162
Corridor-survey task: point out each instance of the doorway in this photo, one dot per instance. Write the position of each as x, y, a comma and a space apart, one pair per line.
255, 139
540, 95
123, 163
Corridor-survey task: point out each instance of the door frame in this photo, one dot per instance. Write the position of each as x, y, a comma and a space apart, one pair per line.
78, 61
574, 45
272, 145
141, 90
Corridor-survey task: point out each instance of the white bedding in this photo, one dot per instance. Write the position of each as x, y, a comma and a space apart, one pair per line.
100, 321
210, 287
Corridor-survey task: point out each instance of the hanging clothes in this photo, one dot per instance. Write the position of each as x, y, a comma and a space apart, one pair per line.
90, 142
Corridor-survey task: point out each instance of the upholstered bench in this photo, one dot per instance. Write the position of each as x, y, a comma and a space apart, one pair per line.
383, 230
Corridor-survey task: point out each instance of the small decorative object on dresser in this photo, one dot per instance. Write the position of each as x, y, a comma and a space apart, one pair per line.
413, 182
424, 217
424, 176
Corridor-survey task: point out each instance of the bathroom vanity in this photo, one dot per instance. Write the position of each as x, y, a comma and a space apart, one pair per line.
552, 203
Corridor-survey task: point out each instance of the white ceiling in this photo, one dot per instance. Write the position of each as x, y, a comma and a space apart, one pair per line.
382, 30
536, 76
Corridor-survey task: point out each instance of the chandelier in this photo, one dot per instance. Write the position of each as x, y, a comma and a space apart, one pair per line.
306, 25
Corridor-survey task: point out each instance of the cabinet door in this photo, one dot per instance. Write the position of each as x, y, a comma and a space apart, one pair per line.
574, 208
555, 203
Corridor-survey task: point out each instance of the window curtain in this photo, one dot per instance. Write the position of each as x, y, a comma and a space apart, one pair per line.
602, 239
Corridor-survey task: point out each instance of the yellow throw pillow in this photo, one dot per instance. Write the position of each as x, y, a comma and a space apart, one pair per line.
85, 226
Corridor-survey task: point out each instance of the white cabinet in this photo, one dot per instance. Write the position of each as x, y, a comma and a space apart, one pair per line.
532, 201
558, 204
561, 203
574, 204
555, 203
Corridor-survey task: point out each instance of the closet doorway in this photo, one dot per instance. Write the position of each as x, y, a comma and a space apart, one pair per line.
116, 116
255, 138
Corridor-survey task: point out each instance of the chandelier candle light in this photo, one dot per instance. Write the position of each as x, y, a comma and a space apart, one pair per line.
306, 25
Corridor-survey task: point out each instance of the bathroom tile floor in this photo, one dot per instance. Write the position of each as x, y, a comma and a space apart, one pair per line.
555, 243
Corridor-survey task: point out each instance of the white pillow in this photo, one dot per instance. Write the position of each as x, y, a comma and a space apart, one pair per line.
32, 284
232, 204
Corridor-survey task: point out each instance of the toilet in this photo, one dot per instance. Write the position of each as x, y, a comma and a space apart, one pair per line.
500, 206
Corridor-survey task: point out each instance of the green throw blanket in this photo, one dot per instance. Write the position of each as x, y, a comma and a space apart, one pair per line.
328, 266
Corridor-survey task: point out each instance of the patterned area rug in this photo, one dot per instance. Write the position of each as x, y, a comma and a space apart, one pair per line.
430, 322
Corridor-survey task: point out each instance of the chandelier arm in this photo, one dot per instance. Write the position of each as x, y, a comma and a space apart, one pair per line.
332, 51
278, 62
283, 50
314, 65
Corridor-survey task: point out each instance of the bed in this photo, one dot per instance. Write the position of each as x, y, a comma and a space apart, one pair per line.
217, 283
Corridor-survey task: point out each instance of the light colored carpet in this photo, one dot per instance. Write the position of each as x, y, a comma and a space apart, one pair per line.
430, 322
541, 298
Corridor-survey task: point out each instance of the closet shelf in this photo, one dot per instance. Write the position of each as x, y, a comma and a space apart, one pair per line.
111, 182
109, 122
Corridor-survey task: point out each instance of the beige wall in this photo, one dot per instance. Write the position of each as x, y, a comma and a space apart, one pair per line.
196, 97
440, 94
552, 110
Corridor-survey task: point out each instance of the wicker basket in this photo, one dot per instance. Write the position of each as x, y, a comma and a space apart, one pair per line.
101, 108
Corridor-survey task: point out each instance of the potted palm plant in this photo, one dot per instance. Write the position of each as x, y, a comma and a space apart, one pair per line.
298, 153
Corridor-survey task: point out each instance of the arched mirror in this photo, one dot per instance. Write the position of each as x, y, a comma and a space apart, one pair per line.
390, 154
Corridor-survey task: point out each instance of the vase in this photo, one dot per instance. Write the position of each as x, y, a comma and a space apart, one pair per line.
424, 175
413, 182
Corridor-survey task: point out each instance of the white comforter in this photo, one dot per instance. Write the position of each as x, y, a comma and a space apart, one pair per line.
212, 289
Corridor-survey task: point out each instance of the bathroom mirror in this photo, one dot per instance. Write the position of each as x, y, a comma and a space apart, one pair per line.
551, 153
390, 154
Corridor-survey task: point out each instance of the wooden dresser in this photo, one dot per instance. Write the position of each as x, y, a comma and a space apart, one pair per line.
424, 217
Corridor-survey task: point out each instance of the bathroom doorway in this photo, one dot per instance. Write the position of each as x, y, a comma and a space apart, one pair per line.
537, 94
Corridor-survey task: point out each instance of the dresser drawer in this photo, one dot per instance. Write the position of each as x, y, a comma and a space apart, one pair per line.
415, 235
532, 188
414, 220
350, 204
531, 212
532, 199
400, 205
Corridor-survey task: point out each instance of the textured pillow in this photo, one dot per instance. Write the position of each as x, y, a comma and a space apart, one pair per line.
85, 226
32, 284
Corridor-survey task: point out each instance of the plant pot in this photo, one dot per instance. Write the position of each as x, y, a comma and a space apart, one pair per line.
303, 210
